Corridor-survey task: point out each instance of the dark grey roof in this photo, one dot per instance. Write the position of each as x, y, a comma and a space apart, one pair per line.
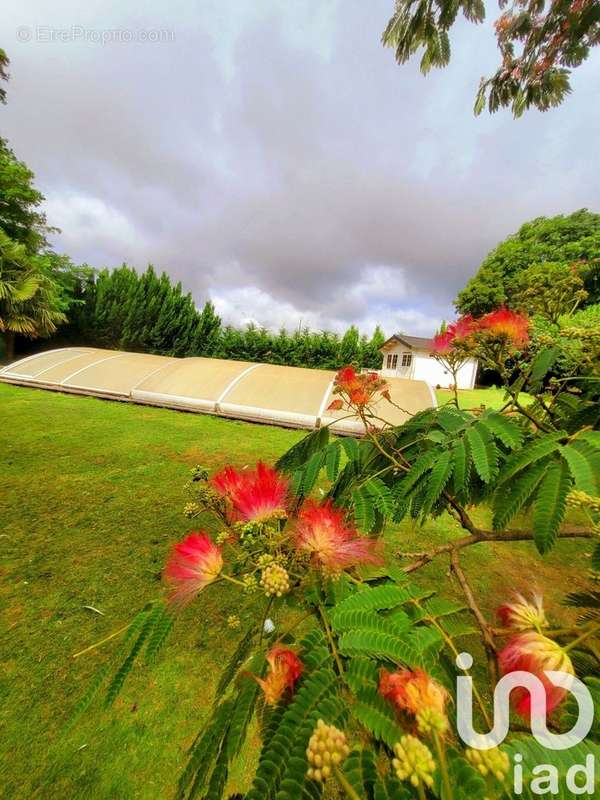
416, 342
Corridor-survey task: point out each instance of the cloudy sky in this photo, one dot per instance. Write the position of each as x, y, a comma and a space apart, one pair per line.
271, 155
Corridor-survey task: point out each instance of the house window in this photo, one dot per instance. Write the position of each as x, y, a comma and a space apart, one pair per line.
392, 361
406, 359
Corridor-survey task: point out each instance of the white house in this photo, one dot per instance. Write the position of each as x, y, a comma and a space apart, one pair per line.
410, 357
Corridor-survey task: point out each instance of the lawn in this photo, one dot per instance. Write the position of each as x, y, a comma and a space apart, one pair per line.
489, 396
90, 503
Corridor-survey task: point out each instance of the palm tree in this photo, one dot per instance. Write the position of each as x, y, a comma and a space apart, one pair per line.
30, 301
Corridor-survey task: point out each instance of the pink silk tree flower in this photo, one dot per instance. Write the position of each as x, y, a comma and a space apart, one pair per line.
255, 495
285, 668
523, 615
445, 340
506, 324
322, 532
532, 652
194, 563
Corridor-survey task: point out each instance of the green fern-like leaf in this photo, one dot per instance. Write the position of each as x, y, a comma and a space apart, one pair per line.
503, 428
243, 710
542, 364
350, 448
550, 505
238, 657
530, 453
414, 648
372, 711
421, 466
460, 468
143, 625
390, 788
360, 770
508, 501
311, 471
483, 452
364, 510
160, 633
381, 494
580, 460
438, 478
315, 690
204, 751
332, 461
298, 455
388, 595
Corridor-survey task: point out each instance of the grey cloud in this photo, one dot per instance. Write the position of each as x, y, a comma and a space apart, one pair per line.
273, 149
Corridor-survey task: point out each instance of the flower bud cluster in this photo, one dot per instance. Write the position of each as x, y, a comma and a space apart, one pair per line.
580, 499
327, 747
223, 537
199, 473
431, 721
233, 621
191, 510
275, 580
413, 762
489, 762
264, 560
250, 583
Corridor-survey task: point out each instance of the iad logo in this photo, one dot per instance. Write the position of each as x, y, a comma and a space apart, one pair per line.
545, 775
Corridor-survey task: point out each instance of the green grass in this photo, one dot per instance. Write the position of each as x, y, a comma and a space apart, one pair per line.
90, 503
472, 398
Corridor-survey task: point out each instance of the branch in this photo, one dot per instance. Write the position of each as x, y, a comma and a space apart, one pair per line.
489, 536
486, 632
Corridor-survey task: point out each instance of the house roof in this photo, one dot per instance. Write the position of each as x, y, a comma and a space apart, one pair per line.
413, 342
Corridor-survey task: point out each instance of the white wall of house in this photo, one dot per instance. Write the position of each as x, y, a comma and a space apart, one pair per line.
401, 361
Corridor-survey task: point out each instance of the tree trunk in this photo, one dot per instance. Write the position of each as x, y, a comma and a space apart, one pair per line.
9, 346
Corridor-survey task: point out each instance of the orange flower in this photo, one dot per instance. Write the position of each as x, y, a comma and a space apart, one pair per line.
284, 670
357, 388
532, 652
412, 691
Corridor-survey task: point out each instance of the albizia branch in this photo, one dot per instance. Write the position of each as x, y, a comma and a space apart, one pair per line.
487, 536
484, 627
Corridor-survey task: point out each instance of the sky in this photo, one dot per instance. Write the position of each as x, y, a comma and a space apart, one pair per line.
272, 155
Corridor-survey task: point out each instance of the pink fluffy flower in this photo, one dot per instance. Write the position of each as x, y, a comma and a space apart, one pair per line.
322, 532
194, 563
255, 495
507, 325
445, 340
523, 614
532, 652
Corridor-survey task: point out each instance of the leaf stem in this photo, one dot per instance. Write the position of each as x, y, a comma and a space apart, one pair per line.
102, 641
345, 783
441, 753
331, 641
585, 635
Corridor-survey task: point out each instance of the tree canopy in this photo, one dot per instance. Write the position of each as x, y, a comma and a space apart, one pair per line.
573, 239
540, 43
